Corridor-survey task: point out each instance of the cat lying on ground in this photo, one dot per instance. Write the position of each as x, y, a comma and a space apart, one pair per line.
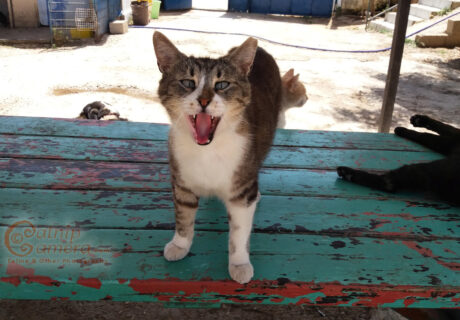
98, 110
441, 177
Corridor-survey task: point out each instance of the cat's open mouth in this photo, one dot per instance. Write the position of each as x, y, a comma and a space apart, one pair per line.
204, 126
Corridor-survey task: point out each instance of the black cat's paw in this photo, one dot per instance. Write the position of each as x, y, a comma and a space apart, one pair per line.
419, 120
345, 173
401, 131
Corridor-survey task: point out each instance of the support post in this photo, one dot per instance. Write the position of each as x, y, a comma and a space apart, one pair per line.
397, 49
10, 13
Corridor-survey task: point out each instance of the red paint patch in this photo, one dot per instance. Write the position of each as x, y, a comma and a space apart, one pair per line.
90, 282
117, 254
409, 301
405, 216
15, 281
428, 253
14, 269
260, 291
121, 281
136, 219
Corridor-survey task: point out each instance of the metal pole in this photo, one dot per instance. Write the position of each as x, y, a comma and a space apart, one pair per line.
397, 49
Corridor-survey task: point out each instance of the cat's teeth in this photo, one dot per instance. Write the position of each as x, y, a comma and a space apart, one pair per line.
194, 117
212, 118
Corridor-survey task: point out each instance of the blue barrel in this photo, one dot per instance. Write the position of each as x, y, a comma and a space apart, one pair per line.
177, 4
303, 7
317, 8
321, 8
280, 7
238, 5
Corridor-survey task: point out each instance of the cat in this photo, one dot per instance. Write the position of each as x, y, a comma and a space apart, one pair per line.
223, 118
441, 177
98, 110
294, 94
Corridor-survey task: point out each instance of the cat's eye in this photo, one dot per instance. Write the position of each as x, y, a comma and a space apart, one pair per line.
189, 84
221, 85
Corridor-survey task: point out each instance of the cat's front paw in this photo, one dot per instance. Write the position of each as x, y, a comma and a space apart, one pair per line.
345, 173
419, 120
401, 132
242, 273
173, 252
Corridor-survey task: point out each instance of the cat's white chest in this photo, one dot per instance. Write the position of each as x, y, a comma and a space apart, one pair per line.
208, 170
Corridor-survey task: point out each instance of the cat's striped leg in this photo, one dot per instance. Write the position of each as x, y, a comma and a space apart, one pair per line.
240, 216
186, 205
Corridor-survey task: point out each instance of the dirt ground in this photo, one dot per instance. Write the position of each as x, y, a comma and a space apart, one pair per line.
345, 89
56, 310
345, 93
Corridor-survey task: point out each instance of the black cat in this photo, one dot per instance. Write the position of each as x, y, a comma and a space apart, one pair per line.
441, 177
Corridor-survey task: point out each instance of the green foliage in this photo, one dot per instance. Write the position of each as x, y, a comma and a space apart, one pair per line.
444, 11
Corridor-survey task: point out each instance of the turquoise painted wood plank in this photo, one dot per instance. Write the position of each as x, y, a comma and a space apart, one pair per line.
157, 152
52, 174
152, 131
177, 293
82, 128
120, 253
275, 214
131, 262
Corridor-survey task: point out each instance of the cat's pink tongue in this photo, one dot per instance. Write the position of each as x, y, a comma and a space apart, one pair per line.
203, 127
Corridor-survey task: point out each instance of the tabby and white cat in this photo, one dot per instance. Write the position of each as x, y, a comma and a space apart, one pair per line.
223, 114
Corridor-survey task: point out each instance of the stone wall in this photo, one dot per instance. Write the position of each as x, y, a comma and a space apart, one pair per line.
357, 6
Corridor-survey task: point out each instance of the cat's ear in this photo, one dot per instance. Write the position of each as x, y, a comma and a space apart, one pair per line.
243, 56
291, 82
167, 54
288, 75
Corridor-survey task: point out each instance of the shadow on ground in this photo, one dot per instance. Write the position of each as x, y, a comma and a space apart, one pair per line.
436, 95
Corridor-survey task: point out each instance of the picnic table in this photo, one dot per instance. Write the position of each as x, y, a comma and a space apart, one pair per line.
86, 209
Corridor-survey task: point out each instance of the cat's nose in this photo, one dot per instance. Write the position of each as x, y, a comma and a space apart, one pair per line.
203, 102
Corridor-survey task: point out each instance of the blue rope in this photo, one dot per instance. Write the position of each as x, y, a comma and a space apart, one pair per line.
293, 45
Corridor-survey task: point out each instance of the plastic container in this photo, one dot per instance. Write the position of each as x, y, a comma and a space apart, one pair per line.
155, 13
141, 12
